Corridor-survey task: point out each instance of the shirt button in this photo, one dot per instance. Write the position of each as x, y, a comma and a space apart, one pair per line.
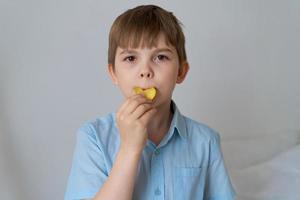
156, 152
157, 192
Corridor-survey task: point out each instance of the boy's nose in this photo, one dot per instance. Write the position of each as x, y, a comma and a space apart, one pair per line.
146, 74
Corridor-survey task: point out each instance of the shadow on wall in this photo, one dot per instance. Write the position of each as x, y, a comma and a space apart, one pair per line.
11, 179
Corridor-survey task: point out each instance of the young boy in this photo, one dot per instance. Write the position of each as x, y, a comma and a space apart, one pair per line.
147, 149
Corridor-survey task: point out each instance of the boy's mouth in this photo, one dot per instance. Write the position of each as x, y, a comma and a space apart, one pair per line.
149, 93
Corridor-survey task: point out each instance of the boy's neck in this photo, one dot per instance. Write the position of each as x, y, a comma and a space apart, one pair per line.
160, 123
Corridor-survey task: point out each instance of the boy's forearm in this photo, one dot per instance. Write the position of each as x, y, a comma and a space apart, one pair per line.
120, 183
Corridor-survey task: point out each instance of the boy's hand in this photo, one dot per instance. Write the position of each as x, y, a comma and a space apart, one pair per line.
132, 120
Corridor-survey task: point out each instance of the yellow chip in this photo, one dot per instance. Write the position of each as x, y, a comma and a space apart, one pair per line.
148, 93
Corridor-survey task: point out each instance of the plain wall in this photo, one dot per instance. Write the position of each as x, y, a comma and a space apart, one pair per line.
243, 78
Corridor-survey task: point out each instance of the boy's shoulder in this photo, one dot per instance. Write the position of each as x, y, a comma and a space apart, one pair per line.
198, 130
106, 121
103, 126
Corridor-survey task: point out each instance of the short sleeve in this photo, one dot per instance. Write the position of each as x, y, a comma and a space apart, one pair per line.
88, 172
218, 184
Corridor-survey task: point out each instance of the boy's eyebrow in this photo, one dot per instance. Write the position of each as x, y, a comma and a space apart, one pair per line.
155, 51
163, 49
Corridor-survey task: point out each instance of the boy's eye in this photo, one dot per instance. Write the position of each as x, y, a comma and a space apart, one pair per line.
129, 58
162, 57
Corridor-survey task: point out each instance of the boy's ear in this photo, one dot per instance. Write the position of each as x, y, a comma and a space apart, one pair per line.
182, 72
112, 74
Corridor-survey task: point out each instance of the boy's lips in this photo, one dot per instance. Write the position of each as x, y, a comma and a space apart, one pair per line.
145, 88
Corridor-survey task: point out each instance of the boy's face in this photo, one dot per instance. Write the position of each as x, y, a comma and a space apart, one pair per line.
156, 67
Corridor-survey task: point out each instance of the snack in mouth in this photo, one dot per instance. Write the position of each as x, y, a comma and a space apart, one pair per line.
148, 93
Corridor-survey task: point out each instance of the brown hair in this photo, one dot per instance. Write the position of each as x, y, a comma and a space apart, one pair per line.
141, 26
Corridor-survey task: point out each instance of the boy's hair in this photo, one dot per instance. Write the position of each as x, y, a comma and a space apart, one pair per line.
141, 26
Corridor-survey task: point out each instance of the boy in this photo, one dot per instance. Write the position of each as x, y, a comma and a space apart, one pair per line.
148, 149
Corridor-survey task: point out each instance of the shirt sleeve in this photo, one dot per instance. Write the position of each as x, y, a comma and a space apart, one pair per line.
218, 184
88, 172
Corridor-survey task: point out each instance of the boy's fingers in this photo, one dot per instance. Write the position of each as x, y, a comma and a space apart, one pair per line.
134, 103
125, 103
124, 106
148, 115
140, 110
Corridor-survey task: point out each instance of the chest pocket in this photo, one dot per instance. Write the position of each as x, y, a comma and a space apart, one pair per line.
188, 183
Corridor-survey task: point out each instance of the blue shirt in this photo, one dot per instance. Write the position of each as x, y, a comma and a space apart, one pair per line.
186, 165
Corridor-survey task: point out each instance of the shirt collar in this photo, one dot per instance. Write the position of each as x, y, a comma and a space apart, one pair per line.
178, 122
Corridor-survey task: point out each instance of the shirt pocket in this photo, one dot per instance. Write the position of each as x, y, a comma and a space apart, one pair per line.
188, 183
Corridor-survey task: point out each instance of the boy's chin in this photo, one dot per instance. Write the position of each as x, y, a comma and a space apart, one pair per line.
158, 102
